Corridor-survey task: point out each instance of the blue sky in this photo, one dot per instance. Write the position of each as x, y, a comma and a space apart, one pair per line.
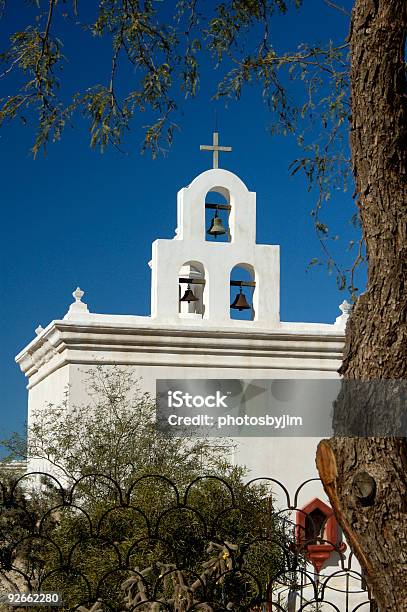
77, 217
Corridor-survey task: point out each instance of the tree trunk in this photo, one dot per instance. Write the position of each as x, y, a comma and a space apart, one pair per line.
375, 521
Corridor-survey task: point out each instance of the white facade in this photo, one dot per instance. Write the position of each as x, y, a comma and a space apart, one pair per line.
198, 339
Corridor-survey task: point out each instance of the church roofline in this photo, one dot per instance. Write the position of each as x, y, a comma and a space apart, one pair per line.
85, 342
124, 323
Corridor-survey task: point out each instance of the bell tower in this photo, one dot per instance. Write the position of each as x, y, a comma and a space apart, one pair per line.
194, 278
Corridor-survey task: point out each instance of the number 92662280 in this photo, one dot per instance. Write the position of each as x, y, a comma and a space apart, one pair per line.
32, 599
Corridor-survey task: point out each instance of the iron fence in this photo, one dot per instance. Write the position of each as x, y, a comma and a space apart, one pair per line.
151, 545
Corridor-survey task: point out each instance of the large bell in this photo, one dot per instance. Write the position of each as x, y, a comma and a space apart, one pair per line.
189, 296
216, 229
240, 302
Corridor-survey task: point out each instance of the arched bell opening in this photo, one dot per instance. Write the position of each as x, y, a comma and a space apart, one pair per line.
217, 215
192, 289
242, 287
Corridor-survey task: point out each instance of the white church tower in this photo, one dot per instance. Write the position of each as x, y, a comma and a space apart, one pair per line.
200, 256
211, 271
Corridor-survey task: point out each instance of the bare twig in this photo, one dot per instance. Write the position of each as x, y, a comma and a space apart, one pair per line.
339, 8
47, 28
13, 63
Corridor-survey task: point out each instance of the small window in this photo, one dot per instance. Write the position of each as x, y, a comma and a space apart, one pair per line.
315, 526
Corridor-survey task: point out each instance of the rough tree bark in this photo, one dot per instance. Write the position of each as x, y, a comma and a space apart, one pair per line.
376, 335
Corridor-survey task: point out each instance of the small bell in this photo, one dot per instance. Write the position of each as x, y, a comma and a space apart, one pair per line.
240, 302
216, 229
189, 296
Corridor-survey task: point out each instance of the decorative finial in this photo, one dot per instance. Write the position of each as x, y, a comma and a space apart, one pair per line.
78, 294
345, 308
78, 308
215, 148
39, 329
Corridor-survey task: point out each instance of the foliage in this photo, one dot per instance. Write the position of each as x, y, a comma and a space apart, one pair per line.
73, 438
14, 448
18, 517
127, 503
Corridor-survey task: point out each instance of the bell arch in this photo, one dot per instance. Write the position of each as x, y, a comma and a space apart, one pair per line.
242, 292
192, 289
217, 215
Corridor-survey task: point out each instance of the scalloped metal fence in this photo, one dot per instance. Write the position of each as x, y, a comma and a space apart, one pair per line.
150, 546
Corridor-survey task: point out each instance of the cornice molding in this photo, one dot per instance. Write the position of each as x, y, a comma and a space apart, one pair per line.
69, 342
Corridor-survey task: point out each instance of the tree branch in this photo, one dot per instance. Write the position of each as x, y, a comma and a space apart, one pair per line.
341, 9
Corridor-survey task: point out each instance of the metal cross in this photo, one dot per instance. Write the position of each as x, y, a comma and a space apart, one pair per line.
215, 148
